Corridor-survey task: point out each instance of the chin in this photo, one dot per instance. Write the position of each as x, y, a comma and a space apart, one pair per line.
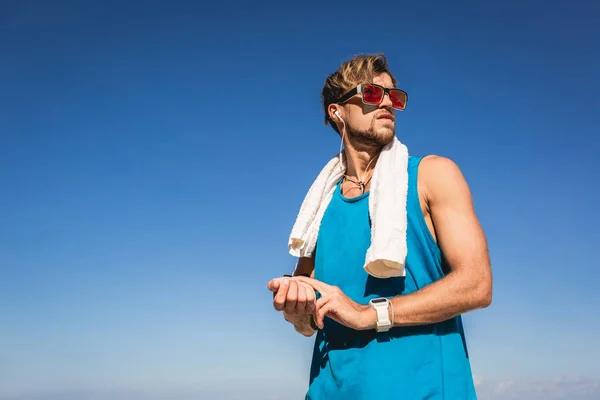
373, 136
385, 136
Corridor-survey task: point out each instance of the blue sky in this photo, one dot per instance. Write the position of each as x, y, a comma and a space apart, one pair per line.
153, 159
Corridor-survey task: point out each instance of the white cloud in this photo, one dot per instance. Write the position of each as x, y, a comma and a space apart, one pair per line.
478, 380
560, 388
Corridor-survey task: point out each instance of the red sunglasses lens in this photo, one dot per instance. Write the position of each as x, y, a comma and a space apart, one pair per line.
398, 98
372, 94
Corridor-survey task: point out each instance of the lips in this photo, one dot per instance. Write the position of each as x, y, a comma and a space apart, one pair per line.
386, 116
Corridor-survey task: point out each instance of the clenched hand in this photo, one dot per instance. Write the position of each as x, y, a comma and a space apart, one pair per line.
292, 297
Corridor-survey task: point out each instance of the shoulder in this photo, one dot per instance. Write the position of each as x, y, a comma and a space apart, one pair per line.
440, 177
434, 164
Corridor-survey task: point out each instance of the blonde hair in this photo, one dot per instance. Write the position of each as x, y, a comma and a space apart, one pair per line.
359, 69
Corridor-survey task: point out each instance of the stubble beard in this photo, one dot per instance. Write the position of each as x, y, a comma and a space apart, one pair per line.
372, 137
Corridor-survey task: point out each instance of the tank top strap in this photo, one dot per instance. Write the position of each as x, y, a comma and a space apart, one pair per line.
413, 192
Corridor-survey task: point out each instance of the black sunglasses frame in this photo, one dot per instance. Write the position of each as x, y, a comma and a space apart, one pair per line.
359, 90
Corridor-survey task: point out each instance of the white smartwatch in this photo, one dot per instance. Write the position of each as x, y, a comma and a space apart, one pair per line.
381, 306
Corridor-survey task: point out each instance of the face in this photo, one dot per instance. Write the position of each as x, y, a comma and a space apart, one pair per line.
366, 124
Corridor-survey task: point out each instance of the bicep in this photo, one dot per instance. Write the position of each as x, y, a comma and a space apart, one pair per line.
459, 232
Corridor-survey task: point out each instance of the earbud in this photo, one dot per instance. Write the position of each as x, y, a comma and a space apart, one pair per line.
338, 114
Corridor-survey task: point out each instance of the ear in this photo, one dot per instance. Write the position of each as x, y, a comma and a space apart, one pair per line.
332, 110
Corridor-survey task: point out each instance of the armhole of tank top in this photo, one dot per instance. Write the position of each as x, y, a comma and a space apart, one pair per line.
414, 193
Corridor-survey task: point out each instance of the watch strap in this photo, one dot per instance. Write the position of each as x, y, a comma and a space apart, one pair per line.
381, 306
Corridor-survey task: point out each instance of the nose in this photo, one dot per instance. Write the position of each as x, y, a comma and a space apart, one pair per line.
386, 102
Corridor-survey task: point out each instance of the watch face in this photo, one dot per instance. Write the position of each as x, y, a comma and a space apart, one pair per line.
376, 301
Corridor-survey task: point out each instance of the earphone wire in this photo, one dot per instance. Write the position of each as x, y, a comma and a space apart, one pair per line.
342, 142
360, 181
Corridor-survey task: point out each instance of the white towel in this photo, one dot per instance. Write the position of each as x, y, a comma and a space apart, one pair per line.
386, 256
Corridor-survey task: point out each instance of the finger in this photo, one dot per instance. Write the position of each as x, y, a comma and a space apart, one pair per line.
292, 297
321, 311
280, 297
321, 314
301, 302
319, 286
274, 284
320, 303
304, 294
311, 300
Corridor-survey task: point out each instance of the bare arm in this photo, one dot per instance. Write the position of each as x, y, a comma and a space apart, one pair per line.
468, 285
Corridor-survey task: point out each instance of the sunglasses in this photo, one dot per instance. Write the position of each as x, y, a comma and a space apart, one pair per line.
373, 94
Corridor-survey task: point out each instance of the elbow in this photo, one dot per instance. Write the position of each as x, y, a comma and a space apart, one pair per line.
306, 332
486, 300
483, 297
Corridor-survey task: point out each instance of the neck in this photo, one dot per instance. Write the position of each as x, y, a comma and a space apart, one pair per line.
359, 157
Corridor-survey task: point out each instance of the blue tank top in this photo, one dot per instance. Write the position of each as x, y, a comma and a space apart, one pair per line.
424, 362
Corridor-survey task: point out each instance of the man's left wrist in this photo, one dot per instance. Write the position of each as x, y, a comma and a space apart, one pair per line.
370, 316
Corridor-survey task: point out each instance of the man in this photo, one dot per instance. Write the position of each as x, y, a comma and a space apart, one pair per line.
423, 355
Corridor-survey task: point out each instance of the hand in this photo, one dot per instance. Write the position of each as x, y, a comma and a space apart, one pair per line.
339, 307
292, 297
